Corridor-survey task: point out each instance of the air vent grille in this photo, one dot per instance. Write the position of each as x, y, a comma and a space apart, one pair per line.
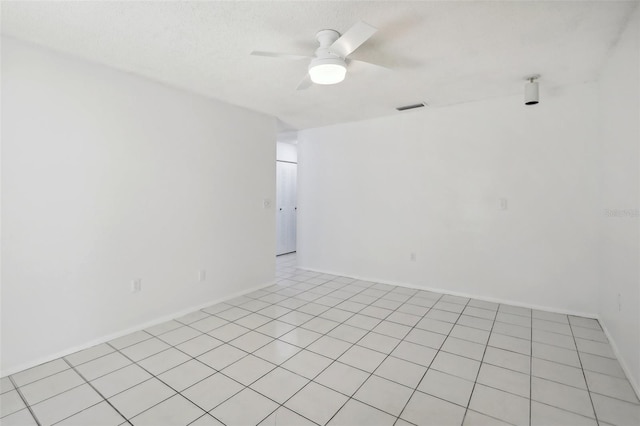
413, 106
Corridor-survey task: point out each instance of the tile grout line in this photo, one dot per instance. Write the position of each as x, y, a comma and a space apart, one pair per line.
24, 400
431, 363
531, 374
96, 390
586, 382
387, 356
473, 388
41, 378
153, 376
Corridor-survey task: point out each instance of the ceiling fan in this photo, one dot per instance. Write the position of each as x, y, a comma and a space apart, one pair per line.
329, 65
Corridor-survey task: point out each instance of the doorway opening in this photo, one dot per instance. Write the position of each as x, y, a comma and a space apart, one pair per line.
286, 198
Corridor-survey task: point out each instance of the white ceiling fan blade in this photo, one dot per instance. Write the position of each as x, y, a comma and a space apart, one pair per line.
279, 55
352, 39
305, 83
367, 65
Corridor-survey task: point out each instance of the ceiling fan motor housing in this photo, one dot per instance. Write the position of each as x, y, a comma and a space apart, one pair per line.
327, 67
326, 38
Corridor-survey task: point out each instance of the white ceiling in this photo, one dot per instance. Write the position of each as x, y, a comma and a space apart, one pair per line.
440, 52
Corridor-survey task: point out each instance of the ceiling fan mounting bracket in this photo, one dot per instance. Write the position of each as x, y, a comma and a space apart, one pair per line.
327, 37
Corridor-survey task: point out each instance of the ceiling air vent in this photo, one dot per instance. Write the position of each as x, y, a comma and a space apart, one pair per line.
414, 106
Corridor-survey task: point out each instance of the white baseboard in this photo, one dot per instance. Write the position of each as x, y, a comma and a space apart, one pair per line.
459, 293
129, 330
621, 360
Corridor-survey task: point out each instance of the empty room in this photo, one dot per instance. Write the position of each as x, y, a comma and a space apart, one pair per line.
320, 213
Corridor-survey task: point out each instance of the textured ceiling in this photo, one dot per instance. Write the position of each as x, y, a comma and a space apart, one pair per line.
440, 52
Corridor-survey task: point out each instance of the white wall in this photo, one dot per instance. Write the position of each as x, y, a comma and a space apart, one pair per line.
108, 177
620, 244
429, 182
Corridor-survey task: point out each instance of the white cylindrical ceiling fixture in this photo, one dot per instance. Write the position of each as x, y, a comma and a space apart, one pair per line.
327, 70
531, 92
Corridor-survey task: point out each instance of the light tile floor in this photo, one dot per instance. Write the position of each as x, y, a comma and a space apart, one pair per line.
321, 349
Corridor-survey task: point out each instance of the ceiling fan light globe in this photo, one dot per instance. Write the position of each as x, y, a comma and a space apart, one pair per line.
327, 71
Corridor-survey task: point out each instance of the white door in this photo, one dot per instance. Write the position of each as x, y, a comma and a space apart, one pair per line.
286, 200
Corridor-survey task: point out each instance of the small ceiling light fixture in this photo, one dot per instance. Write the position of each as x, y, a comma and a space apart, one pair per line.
531, 93
328, 70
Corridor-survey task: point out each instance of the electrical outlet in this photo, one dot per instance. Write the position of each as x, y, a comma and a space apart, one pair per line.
504, 204
412, 257
202, 275
619, 302
136, 285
